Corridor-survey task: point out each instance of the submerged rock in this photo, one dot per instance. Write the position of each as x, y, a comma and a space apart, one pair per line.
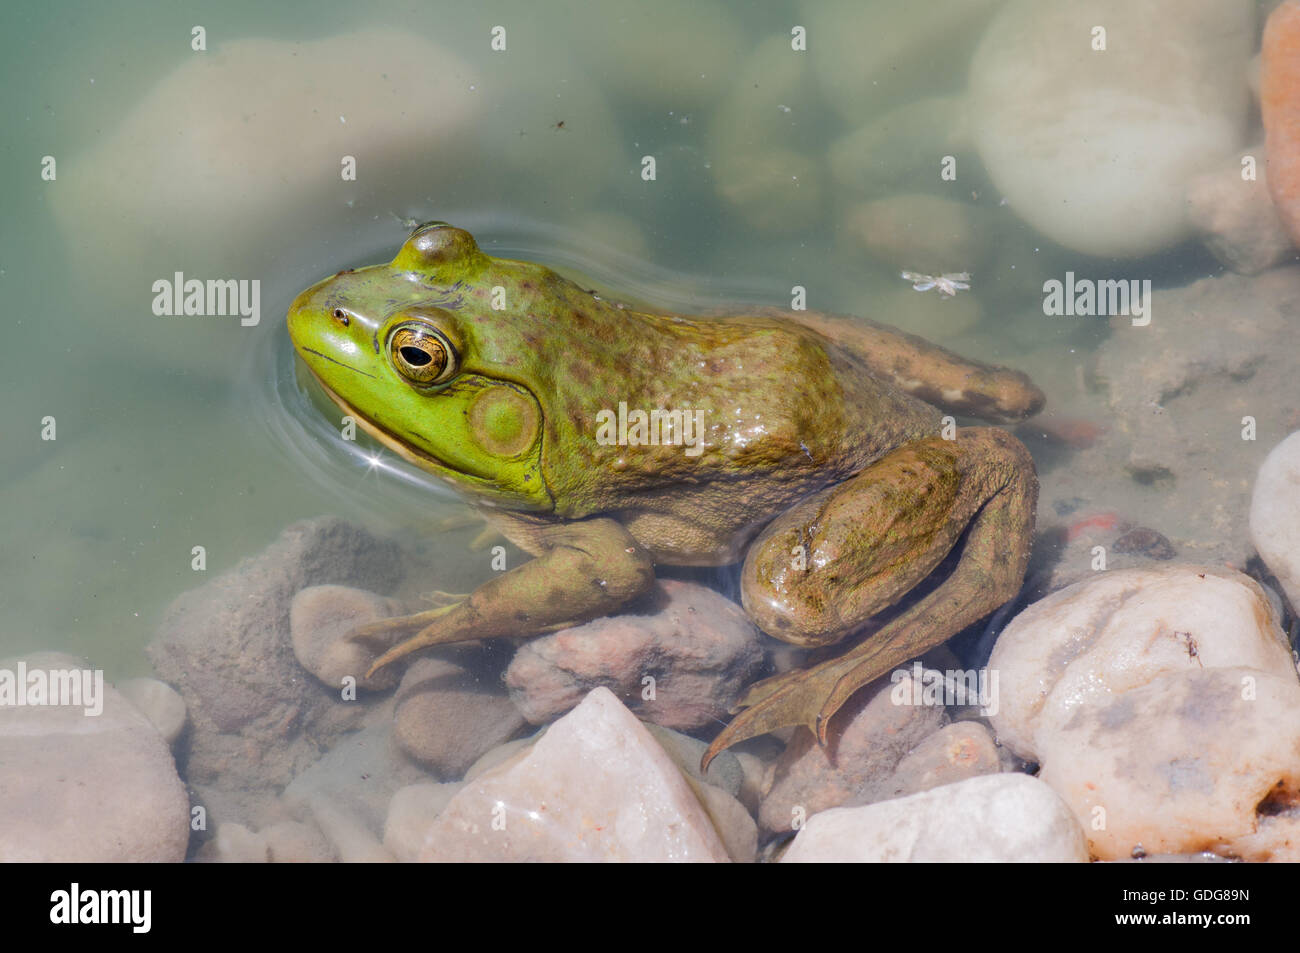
1190, 761
1095, 147
1097, 639
358, 775
451, 711
763, 168
595, 787
869, 737
1275, 514
1235, 215
411, 814
953, 753
87, 788
1164, 706
287, 842
1279, 101
923, 233
158, 702
698, 648
1195, 400
320, 620
257, 719
1004, 818
871, 56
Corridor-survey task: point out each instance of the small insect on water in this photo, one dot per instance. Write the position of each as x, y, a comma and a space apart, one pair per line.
948, 283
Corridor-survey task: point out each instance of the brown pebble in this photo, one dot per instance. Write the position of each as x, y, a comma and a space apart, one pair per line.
1144, 541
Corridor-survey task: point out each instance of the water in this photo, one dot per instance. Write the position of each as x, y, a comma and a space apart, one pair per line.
177, 432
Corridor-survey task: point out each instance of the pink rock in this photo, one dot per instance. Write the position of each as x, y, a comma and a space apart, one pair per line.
869, 737
953, 753
699, 648
448, 716
1236, 217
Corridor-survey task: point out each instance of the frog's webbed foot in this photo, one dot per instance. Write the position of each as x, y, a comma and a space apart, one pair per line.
380, 634
430, 634
810, 696
793, 698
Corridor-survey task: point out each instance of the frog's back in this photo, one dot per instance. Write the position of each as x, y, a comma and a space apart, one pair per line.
783, 411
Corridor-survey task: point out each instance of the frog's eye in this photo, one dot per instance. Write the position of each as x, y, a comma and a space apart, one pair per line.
422, 354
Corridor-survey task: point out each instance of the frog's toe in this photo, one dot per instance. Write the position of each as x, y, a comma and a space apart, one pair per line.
440, 597
382, 632
794, 698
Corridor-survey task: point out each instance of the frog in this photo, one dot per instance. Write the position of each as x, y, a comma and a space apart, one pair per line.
819, 454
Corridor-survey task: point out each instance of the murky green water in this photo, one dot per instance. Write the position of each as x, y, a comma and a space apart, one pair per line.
176, 432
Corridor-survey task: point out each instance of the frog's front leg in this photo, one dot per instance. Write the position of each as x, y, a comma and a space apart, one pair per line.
823, 569
582, 570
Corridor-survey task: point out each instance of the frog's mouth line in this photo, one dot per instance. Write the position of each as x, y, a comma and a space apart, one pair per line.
414, 456
417, 457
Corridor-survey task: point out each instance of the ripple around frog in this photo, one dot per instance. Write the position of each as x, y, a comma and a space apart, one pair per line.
299, 421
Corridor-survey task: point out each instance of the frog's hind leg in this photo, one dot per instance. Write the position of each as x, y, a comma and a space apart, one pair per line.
934, 374
820, 571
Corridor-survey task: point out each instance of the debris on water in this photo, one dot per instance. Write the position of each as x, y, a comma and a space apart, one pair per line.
948, 283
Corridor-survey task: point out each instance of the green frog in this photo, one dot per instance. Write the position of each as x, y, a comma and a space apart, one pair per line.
603, 440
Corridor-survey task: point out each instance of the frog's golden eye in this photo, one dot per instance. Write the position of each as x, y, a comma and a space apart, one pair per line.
421, 354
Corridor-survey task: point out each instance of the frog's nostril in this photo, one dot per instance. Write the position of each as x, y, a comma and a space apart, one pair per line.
342, 316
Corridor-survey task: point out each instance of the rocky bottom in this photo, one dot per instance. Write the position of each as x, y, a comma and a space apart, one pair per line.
1144, 712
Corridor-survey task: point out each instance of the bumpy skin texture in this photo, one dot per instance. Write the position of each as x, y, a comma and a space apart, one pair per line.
491, 374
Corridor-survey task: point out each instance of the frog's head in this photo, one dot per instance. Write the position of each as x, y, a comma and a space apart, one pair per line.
417, 353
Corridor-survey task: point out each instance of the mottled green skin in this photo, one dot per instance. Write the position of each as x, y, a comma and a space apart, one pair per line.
786, 410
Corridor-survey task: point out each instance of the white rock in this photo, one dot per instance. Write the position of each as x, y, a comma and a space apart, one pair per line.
762, 164
1095, 148
158, 702
347, 833
923, 233
1099, 638
895, 151
222, 150
731, 820
288, 842
80, 788
411, 813
674, 56
993, 818
595, 787
1191, 761
1275, 514
320, 620
872, 56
